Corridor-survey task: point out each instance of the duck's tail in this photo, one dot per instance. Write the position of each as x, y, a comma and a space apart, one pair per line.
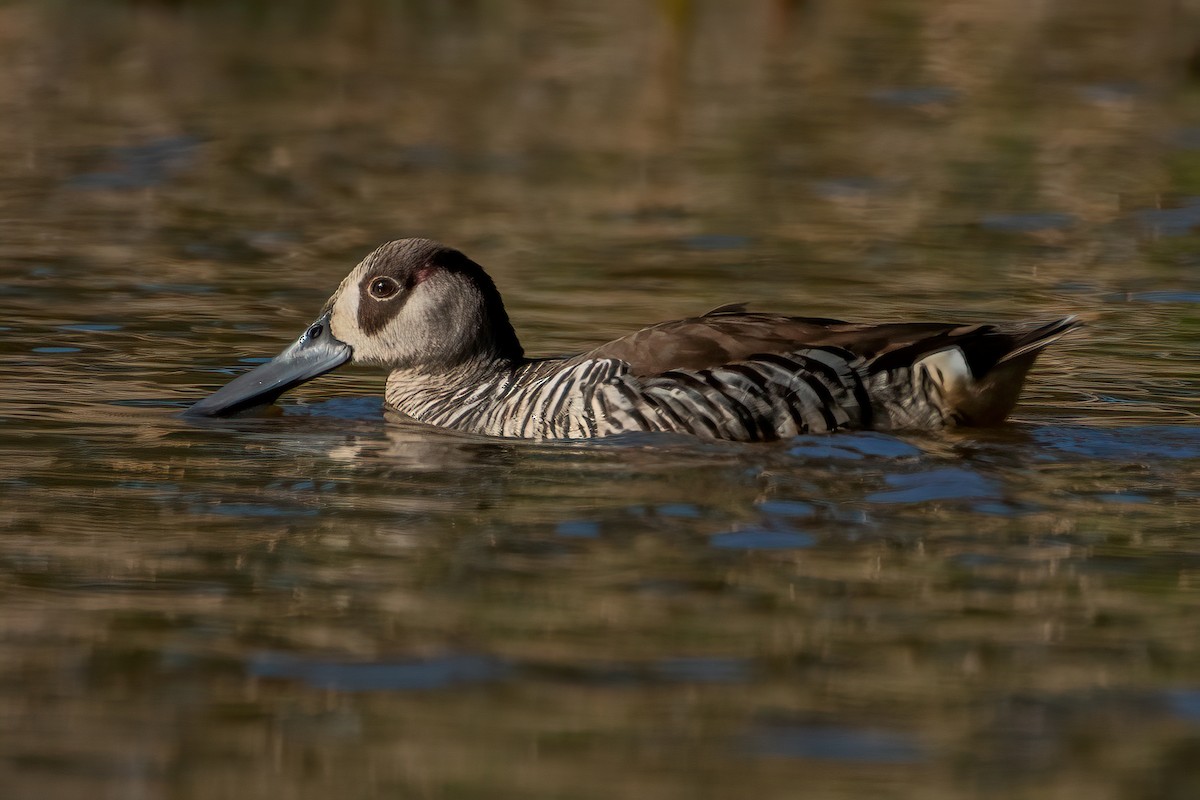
972, 377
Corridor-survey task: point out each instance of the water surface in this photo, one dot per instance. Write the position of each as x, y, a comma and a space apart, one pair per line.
329, 601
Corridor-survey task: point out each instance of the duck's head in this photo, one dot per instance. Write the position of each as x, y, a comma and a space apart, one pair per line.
412, 304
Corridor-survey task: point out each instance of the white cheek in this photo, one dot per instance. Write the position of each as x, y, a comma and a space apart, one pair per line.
343, 319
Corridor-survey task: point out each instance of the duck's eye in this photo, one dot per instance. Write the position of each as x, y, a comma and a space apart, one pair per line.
383, 288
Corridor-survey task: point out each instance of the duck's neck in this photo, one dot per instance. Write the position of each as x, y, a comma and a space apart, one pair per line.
433, 395
497, 342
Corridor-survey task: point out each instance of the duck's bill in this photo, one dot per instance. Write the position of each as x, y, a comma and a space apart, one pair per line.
316, 352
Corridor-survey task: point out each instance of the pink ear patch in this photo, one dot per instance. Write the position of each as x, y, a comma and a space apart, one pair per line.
424, 273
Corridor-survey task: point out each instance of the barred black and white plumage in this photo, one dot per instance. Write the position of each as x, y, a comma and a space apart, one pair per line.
760, 399
435, 319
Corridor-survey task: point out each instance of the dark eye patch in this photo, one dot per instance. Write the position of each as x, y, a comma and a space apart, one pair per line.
383, 287
374, 313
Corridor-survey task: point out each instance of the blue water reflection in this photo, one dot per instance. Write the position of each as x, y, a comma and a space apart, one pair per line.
762, 540
853, 447
946, 483
834, 743
439, 672
1153, 442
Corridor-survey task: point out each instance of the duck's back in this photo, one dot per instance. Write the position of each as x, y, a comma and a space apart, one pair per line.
728, 334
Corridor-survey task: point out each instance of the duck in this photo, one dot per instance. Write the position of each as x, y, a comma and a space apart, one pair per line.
434, 319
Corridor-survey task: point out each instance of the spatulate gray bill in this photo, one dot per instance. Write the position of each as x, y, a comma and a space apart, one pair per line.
316, 352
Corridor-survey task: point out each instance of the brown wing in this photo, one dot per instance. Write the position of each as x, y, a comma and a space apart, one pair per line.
729, 334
